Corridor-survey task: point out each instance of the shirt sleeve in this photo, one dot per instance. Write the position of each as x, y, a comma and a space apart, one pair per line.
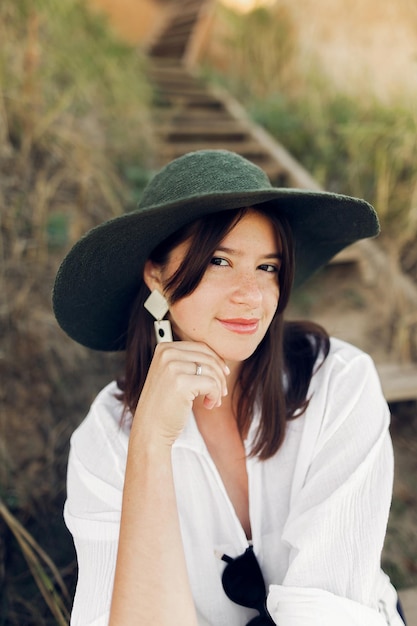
92, 510
339, 512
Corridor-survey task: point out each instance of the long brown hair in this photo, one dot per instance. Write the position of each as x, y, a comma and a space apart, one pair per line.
277, 375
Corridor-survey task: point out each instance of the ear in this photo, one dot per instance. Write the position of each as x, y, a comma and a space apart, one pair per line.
152, 276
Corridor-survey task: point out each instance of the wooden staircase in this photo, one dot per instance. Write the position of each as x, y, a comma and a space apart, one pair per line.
189, 115
176, 38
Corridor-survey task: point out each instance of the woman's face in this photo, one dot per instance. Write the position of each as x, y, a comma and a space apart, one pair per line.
233, 305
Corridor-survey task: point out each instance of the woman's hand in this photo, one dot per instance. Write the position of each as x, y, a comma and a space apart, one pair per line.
172, 385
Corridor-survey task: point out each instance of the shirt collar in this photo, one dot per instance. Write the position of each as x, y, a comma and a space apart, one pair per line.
192, 439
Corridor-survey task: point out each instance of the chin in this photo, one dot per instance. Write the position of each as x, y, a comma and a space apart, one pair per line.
236, 356
231, 351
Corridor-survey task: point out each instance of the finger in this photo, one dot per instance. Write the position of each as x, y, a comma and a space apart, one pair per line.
192, 347
191, 355
195, 372
206, 368
185, 380
206, 386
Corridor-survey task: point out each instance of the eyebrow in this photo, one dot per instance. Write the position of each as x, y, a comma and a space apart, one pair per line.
272, 255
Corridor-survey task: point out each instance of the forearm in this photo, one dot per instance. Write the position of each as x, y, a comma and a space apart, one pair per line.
151, 582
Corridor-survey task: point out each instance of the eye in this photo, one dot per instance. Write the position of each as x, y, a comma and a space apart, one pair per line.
268, 267
217, 260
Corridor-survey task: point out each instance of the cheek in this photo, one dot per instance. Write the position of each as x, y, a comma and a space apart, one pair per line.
186, 316
271, 297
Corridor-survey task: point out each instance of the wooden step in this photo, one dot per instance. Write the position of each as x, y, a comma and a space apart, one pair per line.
190, 3
246, 148
191, 130
175, 36
163, 51
174, 39
186, 16
399, 381
170, 73
169, 83
183, 20
189, 102
166, 79
183, 88
189, 6
166, 119
166, 64
205, 138
181, 23
192, 91
178, 115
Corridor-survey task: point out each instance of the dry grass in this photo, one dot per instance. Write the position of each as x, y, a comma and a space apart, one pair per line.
262, 45
40, 565
73, 120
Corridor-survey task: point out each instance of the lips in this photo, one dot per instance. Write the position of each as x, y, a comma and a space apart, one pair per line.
240, 325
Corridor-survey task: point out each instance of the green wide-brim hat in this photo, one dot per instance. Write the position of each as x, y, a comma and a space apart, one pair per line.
98, 280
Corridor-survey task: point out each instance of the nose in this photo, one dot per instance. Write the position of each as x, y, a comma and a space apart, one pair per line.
247, 291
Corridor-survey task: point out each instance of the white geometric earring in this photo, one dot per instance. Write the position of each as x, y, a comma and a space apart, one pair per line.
157, 306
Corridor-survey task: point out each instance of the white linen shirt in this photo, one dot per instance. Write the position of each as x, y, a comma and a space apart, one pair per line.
318, 508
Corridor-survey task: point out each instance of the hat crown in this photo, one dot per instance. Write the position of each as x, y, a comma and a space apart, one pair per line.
205, 172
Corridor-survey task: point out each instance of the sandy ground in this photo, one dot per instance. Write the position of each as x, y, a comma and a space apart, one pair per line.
363, 45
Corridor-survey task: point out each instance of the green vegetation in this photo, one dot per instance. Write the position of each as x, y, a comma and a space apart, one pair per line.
364, 149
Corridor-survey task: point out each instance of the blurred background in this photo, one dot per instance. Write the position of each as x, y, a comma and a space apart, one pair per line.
95, 95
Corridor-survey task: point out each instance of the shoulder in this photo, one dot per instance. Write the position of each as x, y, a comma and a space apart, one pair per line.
347, 371
344, 350
104, 432
344, 358
345, 387
96, 468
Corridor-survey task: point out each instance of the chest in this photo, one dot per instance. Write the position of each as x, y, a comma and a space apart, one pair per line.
230, 461
210, 523
222, 490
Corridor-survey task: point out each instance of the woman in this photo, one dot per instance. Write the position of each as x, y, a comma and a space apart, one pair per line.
241, 472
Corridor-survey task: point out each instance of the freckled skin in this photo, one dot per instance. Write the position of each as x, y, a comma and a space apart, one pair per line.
233, 305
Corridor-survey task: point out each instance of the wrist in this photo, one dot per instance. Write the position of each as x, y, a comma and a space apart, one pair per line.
149, 438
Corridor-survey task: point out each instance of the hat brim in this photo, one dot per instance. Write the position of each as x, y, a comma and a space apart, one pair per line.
99, 278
